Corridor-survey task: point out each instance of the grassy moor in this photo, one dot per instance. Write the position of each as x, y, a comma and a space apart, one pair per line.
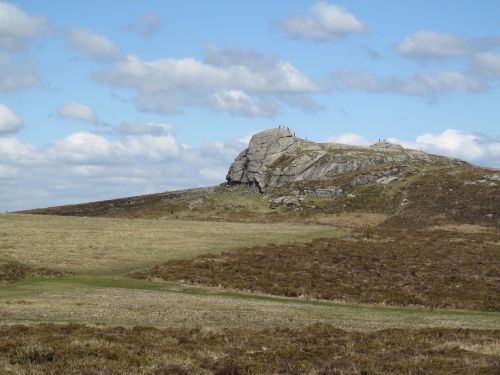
384, 261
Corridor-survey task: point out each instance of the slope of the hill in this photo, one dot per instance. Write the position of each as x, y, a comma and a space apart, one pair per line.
280, 177
433, 268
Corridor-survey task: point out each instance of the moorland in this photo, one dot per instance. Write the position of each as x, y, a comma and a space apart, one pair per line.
390, 265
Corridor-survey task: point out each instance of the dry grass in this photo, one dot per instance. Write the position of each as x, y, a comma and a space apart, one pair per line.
102, 302
430, 268
312, 350
350, 219
100, 245
463, 228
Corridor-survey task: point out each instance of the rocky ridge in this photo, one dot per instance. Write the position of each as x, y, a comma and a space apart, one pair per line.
276, 157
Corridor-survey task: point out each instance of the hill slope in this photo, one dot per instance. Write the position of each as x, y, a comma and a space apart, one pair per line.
281, 177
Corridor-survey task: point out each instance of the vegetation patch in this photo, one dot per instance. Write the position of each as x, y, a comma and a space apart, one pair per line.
100, 245
439, 269
315, 349
12, 272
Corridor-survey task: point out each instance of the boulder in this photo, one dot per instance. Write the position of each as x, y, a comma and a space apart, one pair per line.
288, 201
331, 191
386, 180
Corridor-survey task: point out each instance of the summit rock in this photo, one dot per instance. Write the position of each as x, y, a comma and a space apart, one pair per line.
275, 157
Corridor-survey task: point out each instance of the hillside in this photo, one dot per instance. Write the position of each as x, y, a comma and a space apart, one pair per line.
310, 259
282, 177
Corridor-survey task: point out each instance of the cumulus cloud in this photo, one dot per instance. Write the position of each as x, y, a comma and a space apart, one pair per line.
13, 153
17, 27
324, 22
143, 129
9, 121
85, 166
84, 147
430, 85
16, 75
349, 139
432, 45
240, 103
94, 46
146, 25
473, 147
487, 64
78, 111
236, 81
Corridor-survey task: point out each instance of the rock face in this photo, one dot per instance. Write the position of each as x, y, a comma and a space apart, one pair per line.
265, 148
275, 157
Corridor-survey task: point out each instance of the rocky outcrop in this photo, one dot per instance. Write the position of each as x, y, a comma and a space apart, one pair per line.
275, 157
252, 164
288, 201
331, 191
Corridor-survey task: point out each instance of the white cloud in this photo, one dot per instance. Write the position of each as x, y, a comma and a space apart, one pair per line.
468, 146
84, 147
430, 85
432, 45
218, 173
16, 154
78, 111
92, 45
16, 75
325, 21
9, 121
143, 129
349, 139
17, 27
236, 81
86, 166
146, 25
472, 147
239, 103
487, 64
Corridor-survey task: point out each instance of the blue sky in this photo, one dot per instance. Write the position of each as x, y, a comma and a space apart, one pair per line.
113, 98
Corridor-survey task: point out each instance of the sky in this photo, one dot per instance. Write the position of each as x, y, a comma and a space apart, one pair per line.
104, 99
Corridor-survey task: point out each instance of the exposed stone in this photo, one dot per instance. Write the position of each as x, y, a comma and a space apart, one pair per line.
287, 200
386, 146
493, 177
265, 148
331, 191
374, 177
276, 157
386, 180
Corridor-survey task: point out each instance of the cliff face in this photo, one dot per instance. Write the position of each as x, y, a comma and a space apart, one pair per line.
275, 157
